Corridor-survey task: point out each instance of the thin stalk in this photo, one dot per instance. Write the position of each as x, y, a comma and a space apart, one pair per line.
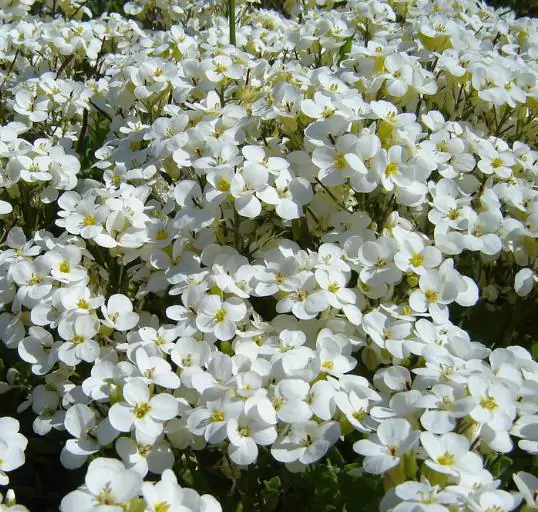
82, 134
331, 195
231, 19
9, 70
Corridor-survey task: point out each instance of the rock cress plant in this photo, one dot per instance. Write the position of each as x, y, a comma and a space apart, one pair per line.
270, 251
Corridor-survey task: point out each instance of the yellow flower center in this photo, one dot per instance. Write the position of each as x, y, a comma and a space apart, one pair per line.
279, 278
340, 161
495, 508
223, 185
453, 213
328, 112
431, 296
359, 415
35, 279
64, 267
217, 416
333, 287
141, 410
489, 403
497, 162
447, 459
301, 294
391, 170
89, 220
441, 146
327, 364
162, 234
416, 259
77, 339
220, 315
163, 506
83, 304
277, 403
105, 497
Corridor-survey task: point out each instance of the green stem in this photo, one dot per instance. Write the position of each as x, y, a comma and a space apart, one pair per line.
231, 18
331, 195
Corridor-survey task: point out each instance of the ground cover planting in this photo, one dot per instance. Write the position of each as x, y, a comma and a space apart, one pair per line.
260, 260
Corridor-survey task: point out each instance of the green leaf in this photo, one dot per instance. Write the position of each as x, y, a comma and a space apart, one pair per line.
273, 484
500, 465
345, 48
534, 351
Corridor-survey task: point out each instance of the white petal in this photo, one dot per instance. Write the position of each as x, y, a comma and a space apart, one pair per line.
121, 417
164, 406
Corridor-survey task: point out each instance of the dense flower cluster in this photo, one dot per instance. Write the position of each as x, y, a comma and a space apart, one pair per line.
261, 246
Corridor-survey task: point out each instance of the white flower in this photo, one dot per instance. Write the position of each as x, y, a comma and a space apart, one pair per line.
434, 295
333, 283
64, 264
524, 281
383, 450
245, 433
167, 494
32, 279
79, 299
141, 411
289, 401
334, 351
12, 446
39, 349
244, 187
155, 370
211, 421
448, 405
303, 298
355, 409
79, 345
414, 255
377, 259
30, 170
220, 316
289, 195
118, 313
36, 109
338, 164
5, 207
9, 503
306, 443
423, 496
495, 403
528, 487
144, 453
80, 422
107, 379
495, 499
256, 159
107, 484
449, 453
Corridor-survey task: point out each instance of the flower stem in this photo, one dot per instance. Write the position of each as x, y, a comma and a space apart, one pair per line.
231, 18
